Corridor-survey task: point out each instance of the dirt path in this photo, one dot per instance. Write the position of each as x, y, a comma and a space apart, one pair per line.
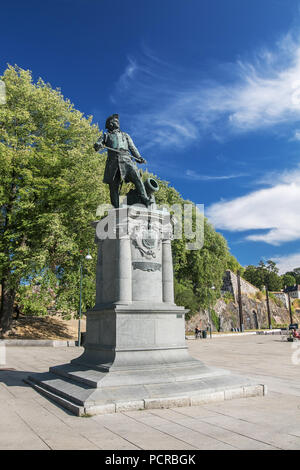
44, 328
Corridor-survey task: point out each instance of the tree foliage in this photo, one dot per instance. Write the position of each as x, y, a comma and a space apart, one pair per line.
292, 277
234, 265
198, 272
49, 184
267, 274
288, 280
50, 187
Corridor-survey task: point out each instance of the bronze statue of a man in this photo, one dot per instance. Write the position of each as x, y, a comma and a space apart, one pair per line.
119, 165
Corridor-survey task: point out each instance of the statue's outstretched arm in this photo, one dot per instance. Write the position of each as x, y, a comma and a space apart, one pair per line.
134, 151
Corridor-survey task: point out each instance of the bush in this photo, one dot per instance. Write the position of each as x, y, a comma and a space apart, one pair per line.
279, 325
184, 296
215, 319
34, 300
259, 295
228, 297
276, 300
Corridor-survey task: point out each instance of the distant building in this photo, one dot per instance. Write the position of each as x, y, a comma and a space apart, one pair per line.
293, 291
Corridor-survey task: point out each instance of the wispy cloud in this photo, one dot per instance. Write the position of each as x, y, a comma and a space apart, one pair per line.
287, 263
273, 210
127, 76
193, 175
296, 135
170, 106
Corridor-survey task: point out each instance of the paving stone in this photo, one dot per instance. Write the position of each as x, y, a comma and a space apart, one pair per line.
190, 423
29, 420
143, 436
255, 431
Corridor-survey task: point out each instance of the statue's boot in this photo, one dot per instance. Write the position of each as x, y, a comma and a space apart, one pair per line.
142, 193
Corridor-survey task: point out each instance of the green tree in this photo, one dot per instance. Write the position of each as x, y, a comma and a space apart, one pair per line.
295, 274
50, 187
272, 279
204, 268
215, 319
271, 266
49, 184
234, 265
196, 271
255, 275
185, 296
288, 280
265, 274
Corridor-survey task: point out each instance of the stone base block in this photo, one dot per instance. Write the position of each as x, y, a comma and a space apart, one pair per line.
89, 391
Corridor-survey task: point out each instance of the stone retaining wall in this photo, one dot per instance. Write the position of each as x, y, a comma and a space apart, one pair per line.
230, 285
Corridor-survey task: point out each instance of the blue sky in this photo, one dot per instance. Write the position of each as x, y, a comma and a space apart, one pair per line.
208, 89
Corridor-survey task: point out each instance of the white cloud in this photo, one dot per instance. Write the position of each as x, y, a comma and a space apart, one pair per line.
177, 107
287, 263
296, 135
274, 210
193, 175
127, 75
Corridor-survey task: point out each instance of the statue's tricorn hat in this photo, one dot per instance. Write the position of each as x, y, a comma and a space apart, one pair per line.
110, 118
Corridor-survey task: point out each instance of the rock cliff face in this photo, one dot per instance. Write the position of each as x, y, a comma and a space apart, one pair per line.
254, 314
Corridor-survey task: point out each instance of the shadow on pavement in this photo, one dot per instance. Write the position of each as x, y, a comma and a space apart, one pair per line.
14, 378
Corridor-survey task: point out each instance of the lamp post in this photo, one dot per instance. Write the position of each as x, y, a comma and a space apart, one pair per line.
290, 308
240, 301
268, 307
209, 313
88, 257
286, 290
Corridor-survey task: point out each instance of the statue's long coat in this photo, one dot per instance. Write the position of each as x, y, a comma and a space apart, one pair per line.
115, 161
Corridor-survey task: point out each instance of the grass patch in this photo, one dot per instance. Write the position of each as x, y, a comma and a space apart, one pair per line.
228, 297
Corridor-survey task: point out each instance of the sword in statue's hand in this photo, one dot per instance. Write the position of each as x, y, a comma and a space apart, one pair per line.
102, 147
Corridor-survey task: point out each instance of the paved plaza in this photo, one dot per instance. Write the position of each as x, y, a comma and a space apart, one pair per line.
31, 421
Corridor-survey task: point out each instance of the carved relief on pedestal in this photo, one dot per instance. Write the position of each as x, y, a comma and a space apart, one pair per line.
146, 238
146, 232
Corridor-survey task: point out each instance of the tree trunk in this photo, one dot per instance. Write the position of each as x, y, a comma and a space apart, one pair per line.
7, 305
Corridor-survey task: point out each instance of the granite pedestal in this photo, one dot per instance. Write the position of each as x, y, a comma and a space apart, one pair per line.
135, 355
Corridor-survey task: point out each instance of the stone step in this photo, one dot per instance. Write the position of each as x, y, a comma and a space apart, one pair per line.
77, 393
81, 400
84, 375
73, 407
117, 378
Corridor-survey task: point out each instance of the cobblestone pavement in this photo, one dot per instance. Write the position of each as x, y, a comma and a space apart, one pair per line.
30, 421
